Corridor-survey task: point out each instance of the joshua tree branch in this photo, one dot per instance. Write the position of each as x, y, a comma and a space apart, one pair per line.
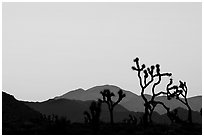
161, 103
155, 84
140, 79
181, 101
152, 79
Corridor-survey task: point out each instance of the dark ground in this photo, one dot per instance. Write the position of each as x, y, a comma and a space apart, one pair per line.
104, 129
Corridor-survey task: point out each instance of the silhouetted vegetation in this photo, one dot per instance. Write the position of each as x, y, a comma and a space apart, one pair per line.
93, 117
107, 98
49, 118
146, 77
175, 118
178, 91
131, 120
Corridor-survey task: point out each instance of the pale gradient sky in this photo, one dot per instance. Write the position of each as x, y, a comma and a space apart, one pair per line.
51, 48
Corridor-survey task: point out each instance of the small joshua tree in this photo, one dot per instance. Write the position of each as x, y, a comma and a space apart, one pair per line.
179, 91
94, 116
107, 98
146, 77
132, 119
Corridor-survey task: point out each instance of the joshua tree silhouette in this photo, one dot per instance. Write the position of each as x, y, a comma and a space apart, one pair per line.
178, 91
107, 98
94, 116
146, 77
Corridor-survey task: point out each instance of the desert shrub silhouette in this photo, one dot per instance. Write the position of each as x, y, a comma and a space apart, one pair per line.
174, 117
55, 122
94, 116
147, 76
130, 120
107, 98
180, 91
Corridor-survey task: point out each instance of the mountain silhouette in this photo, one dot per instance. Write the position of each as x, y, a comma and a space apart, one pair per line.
132, 102
15, 114
94, 93
20, 117
74, 109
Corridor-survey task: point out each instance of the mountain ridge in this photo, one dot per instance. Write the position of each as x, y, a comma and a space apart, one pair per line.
132, 101
73, 110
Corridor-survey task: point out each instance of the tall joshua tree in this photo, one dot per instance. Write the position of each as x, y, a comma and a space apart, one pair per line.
146, 77
107, 98
95, 110
180, 91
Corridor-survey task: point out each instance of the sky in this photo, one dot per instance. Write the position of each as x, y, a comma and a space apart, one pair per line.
51, 48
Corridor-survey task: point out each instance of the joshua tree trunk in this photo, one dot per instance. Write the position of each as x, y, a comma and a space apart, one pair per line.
146, 114
111, 116
189, 114
150, 117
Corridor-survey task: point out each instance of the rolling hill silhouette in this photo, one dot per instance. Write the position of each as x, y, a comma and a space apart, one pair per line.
132, 102
74, 109
183, 115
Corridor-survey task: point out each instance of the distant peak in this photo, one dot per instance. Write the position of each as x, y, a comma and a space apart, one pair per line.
80, 89
106, 86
